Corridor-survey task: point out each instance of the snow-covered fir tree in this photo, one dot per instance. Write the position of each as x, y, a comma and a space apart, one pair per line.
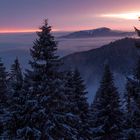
137, 70
15, 101
70, 104
107, 114
136, 96
81, 105
3, 96
15, 76
132, 113
80, 94
28, 119
77, 103
136, 83
132, 123
3, 84
132, 97
44, 112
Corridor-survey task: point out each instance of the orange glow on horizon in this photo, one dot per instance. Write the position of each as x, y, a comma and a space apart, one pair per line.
21, 30
66, 29
18, 31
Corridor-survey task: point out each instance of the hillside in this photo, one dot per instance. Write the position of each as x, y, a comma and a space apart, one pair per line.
121, 56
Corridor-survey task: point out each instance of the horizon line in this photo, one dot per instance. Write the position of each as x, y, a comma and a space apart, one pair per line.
19, 31
53, 30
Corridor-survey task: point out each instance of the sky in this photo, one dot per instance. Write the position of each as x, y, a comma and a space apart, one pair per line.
68, 15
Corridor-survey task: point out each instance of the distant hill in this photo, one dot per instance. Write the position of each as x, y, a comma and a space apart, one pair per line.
121, 55
99, 32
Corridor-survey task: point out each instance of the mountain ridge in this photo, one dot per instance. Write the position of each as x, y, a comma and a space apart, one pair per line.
98, 32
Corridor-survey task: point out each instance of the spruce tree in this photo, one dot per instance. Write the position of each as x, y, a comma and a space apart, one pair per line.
132, 127
80, 95
136, 94
16, 99
16, 77
107, 114
132, 96
3, 85
136, 83
69, 91
44, 112
137, 70
73, 117
77, 102
132, 113
3, 97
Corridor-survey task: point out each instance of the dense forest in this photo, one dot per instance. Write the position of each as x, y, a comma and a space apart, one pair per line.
47, 103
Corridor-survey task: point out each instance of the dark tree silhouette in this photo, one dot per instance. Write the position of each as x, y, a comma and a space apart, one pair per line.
107, 116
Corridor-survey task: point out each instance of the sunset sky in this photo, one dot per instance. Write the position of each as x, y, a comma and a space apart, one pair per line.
68, 15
